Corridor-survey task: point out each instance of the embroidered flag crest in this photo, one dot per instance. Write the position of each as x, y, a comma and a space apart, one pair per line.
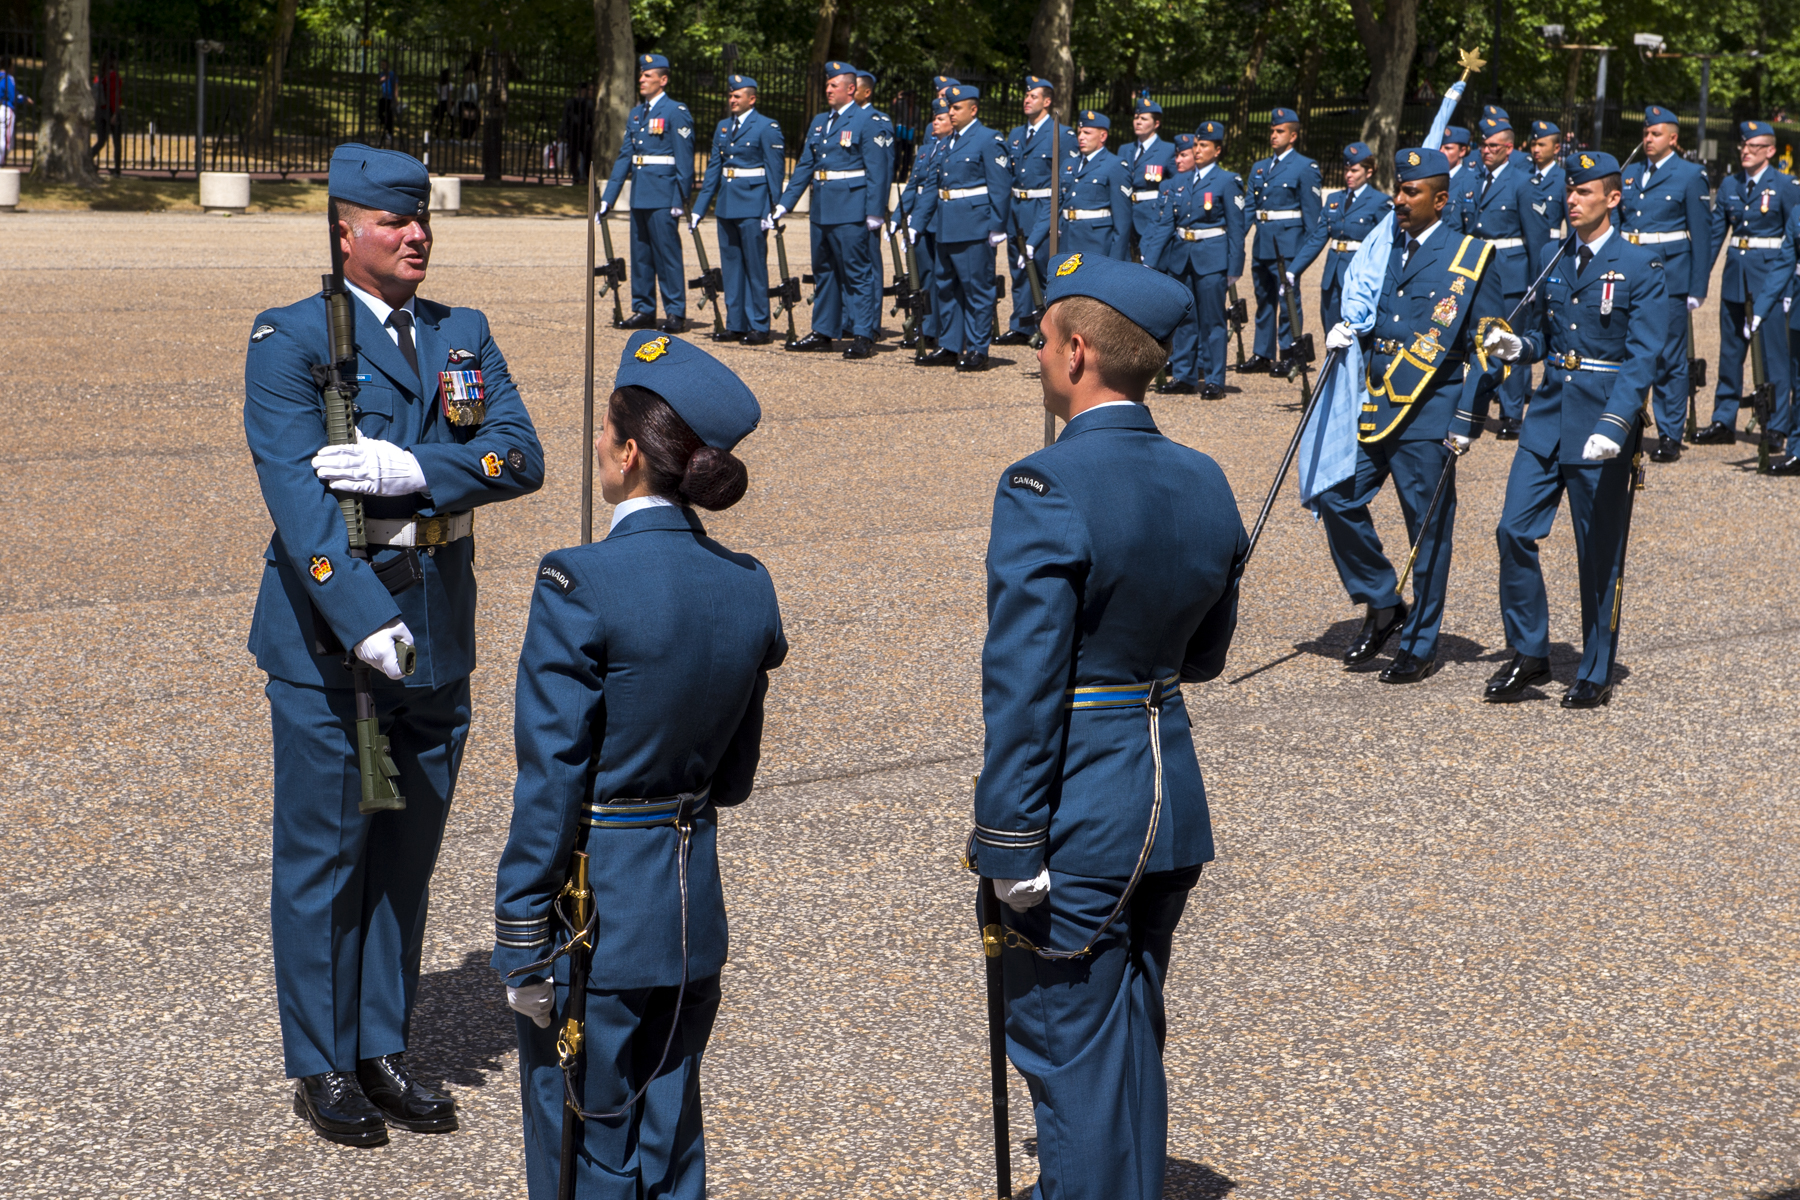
1445, 312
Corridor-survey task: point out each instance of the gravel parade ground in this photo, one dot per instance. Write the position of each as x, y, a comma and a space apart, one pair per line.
1447, 950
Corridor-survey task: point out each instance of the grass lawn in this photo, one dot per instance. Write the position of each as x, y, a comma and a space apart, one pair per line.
132, 193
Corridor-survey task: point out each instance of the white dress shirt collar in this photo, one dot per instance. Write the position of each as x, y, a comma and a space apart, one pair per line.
383, 310
637, 504
1606, 232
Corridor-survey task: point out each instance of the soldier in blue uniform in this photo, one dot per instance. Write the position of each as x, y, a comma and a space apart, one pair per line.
658, 157
1548, 179
886, 141
1775, 306
1500, 206
1664, 209
1749, 217
638, 718
1427, 388
967, 213
1347, 218
1096, 197
921, 183
1463, 169
744, 173
1112, 569
1030, 150
349, 892
1149, 160
1598, 329
1286, 195
848, 173
1199, 240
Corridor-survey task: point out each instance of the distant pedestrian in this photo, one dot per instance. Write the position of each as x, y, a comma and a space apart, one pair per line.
468, 110
440, 112
578, 131
10, 99
387, 100
109, 112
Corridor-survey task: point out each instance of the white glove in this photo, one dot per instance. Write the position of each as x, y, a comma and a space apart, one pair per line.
600, 207
780, 212
1021, 894
1459, 445
534, 1000
1599, 448
693, 222
1030, 250
767, 223
1694, 303
1232, 281
1020, 265
379, 651
369, 467
995, 239
1292, 282
912, 236
871, 223
1341, 337
1503, 345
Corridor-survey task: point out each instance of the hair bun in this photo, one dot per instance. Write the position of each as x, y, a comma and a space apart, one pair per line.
714, 479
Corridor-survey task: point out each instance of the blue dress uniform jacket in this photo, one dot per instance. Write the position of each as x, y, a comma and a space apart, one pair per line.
642, 677
1091, 184
743, 173
1149, 167
887, 141
1552, 203
1503, 209
1285, 201
349, 892
917, 200
1468, 171
1598, 333
1199, 239
973, 178
1421, 387
849, 170
1031, 156
1669, 216
657, 155
1775, 304
1344, 222
1749, 220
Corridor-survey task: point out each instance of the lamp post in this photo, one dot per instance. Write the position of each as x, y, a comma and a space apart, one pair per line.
202, 48
1554, 35
1652, 45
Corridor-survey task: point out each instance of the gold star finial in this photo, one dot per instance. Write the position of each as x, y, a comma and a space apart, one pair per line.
1471, 62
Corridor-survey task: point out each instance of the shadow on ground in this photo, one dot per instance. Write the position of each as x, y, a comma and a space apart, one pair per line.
464, 1027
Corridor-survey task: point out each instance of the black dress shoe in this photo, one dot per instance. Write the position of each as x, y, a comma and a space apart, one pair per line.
1256, 364
1211, 391
1786, 466
1509, 682
639, 321
1716, 434
674, 325
1013, 337
728, 335
941, 357
972, 362
338, 1111
1667, 450
1282, 369
758, 337
403, 1100
1586, 694
1509, 430
910, 343
1172, 388
814, 341
1371, 638
860, 347
1407, 667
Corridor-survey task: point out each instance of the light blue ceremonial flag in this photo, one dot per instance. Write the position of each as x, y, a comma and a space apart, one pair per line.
1328, 446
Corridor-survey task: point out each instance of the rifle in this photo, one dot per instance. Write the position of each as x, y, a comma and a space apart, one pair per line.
904, 289
1301, 352
992, 943
337, 382
788, 290
613, 272
1633, 485
1762, 402
569, 1044
1696, 377
1037, 296
999, 295
1239, 316
711, 281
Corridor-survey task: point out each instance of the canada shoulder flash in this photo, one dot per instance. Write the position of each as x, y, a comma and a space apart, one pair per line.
1031, 481
556, 578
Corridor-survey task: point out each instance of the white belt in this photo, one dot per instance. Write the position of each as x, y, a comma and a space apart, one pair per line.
425, 531
830, 175
1750, 243
1140, 197
1657, 239
1085, 214
1198, 235
653, 160
1506, 243
1277, 214
745, 172
1031, 193
960, 193
1346, 247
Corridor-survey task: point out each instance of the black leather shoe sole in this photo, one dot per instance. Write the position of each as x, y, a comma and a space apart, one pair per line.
1715, 435
1415, 673
1255, 366
758, 339
640, 321
443, 1124
1587, 695
938, 358
362, 1138
1790, 466
1212, 392
1667, 450
1013, 339
729, 335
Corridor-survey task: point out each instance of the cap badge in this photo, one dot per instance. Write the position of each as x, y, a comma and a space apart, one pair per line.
1413, 160
652, 350
1587, 162
1068, 268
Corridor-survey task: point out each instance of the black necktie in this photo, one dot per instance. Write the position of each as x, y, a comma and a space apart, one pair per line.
402, 322
1587, 256
737, 123
1412, 248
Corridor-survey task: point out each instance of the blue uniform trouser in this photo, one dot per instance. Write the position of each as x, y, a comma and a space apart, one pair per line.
924, 253
1597, 501
877, 268
657, 1148
1272, 328
1669, 386
1515, 390
656, 261
1356, 549
1088, 1034
1197, 351
349, 892
1734, 351
842, 277
1787, 402
744, 261
965, 296
1025, 214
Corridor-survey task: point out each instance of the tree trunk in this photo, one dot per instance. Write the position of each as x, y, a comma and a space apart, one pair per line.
1310, 63
1051, 57
823, 32
493, 130
268, 91
1389, 43
67, 126
616, 89
1570, 84
1259, 46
